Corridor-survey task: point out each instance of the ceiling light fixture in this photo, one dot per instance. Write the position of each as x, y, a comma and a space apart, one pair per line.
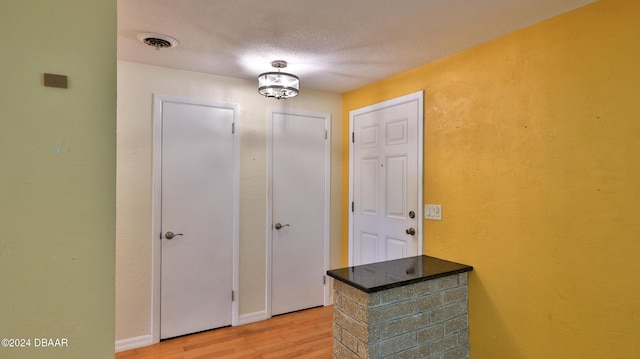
278, 84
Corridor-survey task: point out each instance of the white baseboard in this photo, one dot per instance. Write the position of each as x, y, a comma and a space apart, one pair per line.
252, 317
133, 343
329, 302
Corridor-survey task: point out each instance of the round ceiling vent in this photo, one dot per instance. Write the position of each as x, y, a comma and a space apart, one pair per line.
157, 40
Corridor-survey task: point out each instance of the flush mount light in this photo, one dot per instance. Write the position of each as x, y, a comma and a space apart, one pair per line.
278, 84
158, 41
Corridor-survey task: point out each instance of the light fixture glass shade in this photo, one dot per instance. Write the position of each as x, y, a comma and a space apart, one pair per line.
278, 84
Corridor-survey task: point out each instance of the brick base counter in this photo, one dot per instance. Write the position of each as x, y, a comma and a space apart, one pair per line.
409, 308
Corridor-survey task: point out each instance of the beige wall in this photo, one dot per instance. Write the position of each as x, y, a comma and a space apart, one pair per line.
57, 177
136, 84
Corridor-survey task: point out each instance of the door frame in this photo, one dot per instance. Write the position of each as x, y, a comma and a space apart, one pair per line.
327, 197
416, 96
156, 228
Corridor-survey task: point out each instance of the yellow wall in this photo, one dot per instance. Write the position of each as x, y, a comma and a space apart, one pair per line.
57, 208
532, 146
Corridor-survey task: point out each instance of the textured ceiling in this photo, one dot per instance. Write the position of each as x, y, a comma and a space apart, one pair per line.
332, 45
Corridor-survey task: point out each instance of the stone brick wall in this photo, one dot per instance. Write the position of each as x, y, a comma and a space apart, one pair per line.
422, 320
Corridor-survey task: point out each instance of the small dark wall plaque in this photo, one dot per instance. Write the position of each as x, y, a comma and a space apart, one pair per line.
59, 81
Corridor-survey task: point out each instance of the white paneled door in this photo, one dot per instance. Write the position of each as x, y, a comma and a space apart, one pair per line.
299, 157
197, 218
386, 180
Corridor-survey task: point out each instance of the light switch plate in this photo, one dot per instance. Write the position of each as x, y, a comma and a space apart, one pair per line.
433, 211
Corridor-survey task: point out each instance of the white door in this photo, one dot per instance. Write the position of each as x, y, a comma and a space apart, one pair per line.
198, 208
386, 180
299, 154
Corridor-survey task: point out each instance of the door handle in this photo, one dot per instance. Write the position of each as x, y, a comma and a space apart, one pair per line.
170, 235
411, 231
278, 225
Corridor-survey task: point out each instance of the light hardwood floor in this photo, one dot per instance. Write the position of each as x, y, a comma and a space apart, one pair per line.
306, 334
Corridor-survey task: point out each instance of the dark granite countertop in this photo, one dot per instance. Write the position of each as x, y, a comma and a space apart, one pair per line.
379, 276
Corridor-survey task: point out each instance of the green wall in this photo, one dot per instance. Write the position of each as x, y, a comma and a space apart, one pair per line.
57, 177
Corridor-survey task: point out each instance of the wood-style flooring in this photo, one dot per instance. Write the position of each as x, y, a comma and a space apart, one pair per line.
306, 334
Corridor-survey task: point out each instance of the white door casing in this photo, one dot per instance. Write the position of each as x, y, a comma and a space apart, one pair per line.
298, 199
195, 195
385, 180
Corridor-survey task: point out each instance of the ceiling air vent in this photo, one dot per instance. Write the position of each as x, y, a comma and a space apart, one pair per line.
157, 40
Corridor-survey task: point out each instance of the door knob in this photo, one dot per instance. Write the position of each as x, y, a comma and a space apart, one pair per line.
170, 235
278, 225
411, 231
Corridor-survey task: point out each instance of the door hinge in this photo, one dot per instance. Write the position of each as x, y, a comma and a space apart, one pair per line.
326, 134
233, 127
324, 279
233, 296
352, 206
353, 137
